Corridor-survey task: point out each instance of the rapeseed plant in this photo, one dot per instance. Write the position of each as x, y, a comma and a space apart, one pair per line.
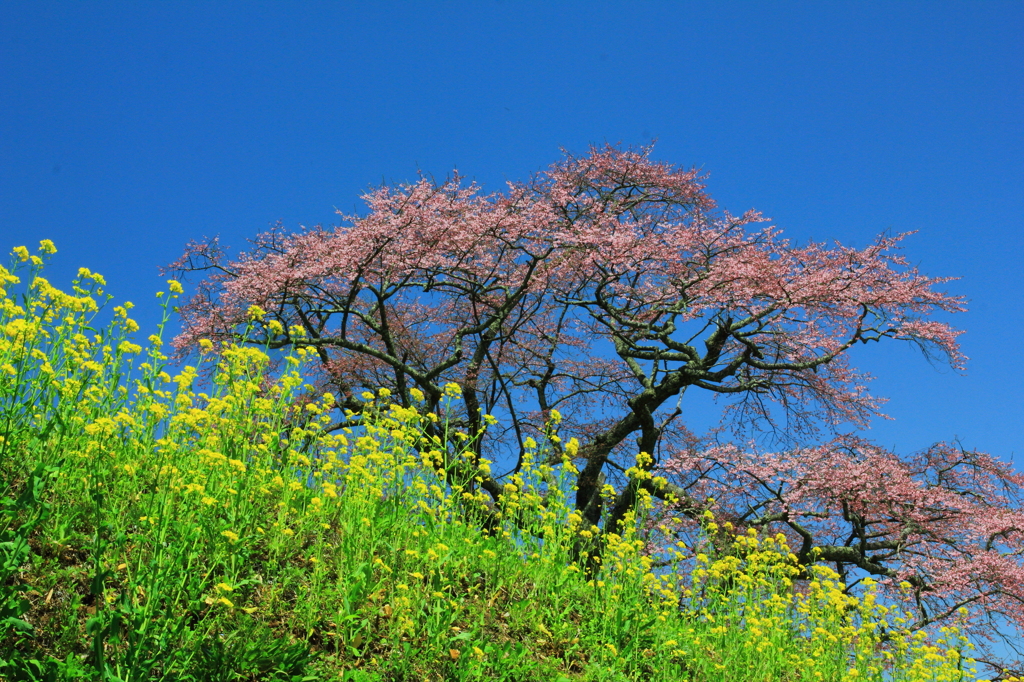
154, 530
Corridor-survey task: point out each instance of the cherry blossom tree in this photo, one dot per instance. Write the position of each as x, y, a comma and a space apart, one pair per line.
603, 289
941, 531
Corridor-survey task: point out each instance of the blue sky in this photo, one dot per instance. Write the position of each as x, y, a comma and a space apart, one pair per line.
128, 129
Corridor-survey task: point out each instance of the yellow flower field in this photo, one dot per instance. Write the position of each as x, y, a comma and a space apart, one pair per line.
208, 524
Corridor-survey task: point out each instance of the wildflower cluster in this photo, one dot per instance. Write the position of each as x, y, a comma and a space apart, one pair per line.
166, 511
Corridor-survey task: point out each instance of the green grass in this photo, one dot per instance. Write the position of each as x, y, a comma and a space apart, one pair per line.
152, 531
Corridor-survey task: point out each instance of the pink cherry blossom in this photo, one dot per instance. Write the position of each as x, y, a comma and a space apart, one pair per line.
946, 523
607, 286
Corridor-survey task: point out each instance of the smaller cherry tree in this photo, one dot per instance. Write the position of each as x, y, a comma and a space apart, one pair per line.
605, 288
941, 531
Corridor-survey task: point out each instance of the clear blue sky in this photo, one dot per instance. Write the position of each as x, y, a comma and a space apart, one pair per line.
128, 129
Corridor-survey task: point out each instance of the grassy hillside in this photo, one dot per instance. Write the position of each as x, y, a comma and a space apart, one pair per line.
206, 526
